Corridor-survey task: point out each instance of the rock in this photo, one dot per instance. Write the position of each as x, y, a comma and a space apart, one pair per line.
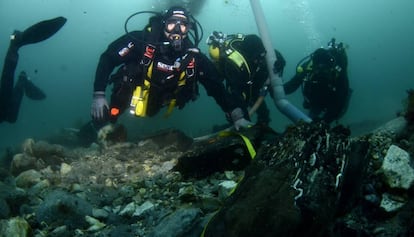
293, 186
210, 204
4, 209
111, 134
65, 168
396, 168
28, 178
42, 149
15, 227
27, 146
128, 210
62, 208
133, 209
5, 174
391, 204
95, 224
124, 230
171, 137
147, 205
393, 127
179, 223
39, 187
274, 206
226, 188
50, 154
22, 162
60, 231
100, 213
187, 193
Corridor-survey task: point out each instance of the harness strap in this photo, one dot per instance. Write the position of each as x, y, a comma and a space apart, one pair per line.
238, 59
147, 62
189, 65
233, 54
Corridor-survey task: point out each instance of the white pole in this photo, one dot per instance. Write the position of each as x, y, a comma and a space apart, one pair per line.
276, 81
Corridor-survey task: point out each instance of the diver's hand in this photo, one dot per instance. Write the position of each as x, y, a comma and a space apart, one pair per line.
99, 105
242, 123
238, 119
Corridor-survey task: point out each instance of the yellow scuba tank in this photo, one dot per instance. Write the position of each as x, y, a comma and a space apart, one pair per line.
139, 100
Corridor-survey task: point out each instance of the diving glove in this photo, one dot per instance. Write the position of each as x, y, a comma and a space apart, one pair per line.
99, 106
238, 119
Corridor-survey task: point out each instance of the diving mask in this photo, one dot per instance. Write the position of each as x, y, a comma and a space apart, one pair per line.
176, 25
176, 28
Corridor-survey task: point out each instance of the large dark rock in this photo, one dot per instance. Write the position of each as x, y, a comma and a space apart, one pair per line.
295, 186
62, 208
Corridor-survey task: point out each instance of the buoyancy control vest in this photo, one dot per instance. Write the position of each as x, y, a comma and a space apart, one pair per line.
246, 54
164, 81
317, 77
231, 50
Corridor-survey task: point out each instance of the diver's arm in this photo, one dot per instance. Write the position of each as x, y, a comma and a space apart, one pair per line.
209, 77
120, 51
235, 82
293, 84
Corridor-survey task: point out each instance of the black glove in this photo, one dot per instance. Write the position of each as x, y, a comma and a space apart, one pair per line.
279, 64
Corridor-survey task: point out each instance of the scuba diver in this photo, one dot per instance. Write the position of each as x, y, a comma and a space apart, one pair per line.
241, 61
11, 95
324, 79
160, 67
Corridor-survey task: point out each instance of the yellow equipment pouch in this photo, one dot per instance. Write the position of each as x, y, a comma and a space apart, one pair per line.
139, 100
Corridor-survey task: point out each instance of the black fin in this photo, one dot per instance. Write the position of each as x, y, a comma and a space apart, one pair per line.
41, 31
32, 92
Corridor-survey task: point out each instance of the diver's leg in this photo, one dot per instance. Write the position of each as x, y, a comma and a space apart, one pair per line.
31, 90
35, 33
23, 86
7, 80
41, 31
16, 99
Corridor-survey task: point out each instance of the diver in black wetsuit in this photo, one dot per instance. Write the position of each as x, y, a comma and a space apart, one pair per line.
11, 95
323, 77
